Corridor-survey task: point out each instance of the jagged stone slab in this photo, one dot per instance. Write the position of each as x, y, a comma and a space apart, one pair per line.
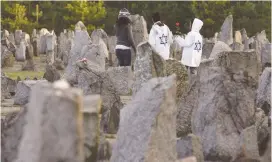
218, 48
226, 34
190, 146
147, 125
227, 93
54, 125
266, 55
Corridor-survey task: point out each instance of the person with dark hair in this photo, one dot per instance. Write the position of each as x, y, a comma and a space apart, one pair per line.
124, 38
160, 37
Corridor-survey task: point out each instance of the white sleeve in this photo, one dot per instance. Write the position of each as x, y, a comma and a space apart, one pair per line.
151, 38
188, 41
170, 36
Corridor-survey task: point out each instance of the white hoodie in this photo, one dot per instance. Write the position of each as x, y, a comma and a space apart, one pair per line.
160, 39
192, 51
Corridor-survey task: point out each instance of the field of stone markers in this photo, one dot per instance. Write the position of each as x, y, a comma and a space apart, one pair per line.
65, 99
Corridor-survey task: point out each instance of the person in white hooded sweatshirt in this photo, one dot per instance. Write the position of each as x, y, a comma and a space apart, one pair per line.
192, 47
160, 37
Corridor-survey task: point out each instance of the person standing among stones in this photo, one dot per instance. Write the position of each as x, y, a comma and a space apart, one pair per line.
124, 37
192, 47
160, 37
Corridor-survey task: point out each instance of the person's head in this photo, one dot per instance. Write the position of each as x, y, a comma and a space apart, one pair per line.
123, 17
197, 25
156, 17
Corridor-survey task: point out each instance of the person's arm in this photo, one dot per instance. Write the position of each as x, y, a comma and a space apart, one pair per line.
151, 38
130, 37
188, 41
170, 37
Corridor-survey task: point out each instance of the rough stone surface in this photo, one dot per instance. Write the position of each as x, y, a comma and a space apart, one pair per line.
175, 67
93, 80
11, 134
147, 124
20, 53
91, 121
147, 65
188, 159
42, 41
236, 46
111, 46
7, 59
23, 89
260, 42
175, 49
263, 130
96, 52
266, 55
51, 73
227, 92
263, 99
207, 50
121, 78
54, 129
17, 36
218, 48
226, 34
238, 37
190, 146
80, 40
248, 145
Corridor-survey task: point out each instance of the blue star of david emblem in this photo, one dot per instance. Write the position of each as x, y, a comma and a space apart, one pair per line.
197, 46
163, 39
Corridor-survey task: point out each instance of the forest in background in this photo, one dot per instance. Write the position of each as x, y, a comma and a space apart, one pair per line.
254, 16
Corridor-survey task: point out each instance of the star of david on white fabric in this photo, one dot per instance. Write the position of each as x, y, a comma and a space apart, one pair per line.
197, 46
163, 39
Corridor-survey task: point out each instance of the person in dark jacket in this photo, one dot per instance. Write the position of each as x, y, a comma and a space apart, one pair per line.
125, 38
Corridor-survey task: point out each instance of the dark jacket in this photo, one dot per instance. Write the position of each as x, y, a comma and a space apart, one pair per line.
124, 36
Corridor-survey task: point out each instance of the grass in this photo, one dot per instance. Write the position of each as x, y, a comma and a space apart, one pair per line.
24, 74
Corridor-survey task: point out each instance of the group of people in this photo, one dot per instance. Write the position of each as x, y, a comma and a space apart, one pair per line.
160, 39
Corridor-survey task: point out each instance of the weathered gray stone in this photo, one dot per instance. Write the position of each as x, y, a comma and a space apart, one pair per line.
140, 33
111, 46
93, 80
147, 124
8, 86
11, 38
23, 89
237, 46
91, 120
263, 130
11, 134
7, 59
20, 54
248, 145
227, 92
59, 64
97, 53
54, 121
99, 34
17, 36
207, 50
121, 77
80, 40
219, 47
148, 64
51, 73
42, 41
261, 40
175, 49
226, 34
263, 98
175, 67
266, 156
266, 55
190, 146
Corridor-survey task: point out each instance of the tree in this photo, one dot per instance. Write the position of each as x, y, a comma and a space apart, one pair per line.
17, 19
89, 12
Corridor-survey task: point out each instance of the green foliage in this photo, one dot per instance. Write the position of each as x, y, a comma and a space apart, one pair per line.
86, 11
18, 17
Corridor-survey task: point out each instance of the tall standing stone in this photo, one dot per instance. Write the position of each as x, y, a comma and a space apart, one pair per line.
54, 129
35, 42
20, 54
112, 40
18, 34
227, 93
266, 55
81, 39
42, 41
147, 124
226, 34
